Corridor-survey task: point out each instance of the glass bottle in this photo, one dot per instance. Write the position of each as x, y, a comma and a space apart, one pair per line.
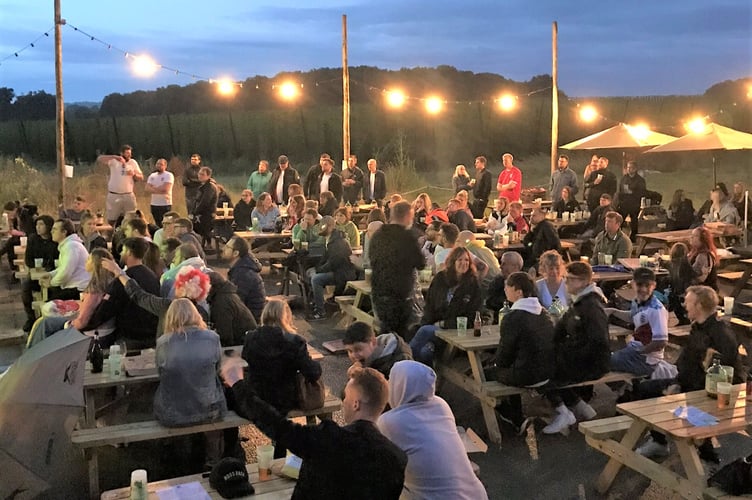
715, 374
556, 309
503, 311
477, 324
97, 356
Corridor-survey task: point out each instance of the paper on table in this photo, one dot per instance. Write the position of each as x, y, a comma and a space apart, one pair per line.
695, 416
187, 491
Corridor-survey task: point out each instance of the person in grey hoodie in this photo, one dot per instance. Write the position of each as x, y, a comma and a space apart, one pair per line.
423, 426
365, 349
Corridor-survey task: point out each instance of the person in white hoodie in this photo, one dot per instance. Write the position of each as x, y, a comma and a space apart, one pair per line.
69, 278
423, 426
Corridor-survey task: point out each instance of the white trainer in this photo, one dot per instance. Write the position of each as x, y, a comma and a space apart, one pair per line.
561, 422
583, 411
652, 449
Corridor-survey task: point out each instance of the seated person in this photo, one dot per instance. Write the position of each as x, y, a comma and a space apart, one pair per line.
266, 212
372, 228
184, 232
90, 237
188, 359
295, 190
448, 235
366, 350
703, 257
69, 278
393, 200
307, 229
245, 274
582, 349
230, 317
650, 319
185, 256
335, 267
243, 209
167, 230
39, 246
74, 213
541, 238
567, 202
422, 424
373, 465
295, 211
497, 219
681, 212
343, 222
515, 220
681, 276
15, 232
597, 220
721, 207
510, 262
612, 241
552, 284
459, 216
480, 251
454, 292
168, 252
525, 356
327, 204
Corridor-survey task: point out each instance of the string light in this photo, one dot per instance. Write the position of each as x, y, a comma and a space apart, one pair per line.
226, 87
639, 131
696, 125
143, 65
29, 45
434, 105
395, 98
588, 113
507, 102
288, 91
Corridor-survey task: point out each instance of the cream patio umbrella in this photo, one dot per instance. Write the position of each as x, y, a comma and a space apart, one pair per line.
621, 136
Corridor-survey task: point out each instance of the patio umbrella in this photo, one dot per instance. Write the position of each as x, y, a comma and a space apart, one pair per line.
41, 399
712, 138
621, 136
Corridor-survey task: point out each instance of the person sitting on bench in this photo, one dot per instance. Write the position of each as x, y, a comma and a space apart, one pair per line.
365, 349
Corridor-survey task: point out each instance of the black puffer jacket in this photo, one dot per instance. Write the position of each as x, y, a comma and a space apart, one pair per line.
465, 301
581, 339
245, 274
526, 350
395, 255
337, 260
274, 357
230, 317
711, 334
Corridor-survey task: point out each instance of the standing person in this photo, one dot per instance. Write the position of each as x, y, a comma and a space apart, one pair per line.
352, 181
589, 169
282, 177
395, 258
70, 277
631, 190
191, 182
327, 180
205, 206
509, 184
124, 171
481, 186
374, 184
681, 213
313, 178
422, 424
460, 179
39, 246
354, 461
245, 273
159, 184
612, 241
562, 177
600, 181
258, 181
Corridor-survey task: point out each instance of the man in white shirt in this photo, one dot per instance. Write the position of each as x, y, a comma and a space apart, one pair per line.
159, 184
124, 171
329, 180
70, 277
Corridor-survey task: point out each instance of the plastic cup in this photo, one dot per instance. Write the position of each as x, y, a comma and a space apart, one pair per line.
139, 485
296, 244
24, 240
505, 240
225, 206
565, 216
584, 258
724, 394
643, 261
38, 263
425, 275
369, 273
304, 245
462, 326
515, 236
255, 222
728, 305
608, 259
265, 455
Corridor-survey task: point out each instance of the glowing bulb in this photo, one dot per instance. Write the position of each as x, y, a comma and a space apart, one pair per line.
226, 87
288, 91
434, 105
507, 102
696, 126
144, 65
395, 98
588, 113
640, 131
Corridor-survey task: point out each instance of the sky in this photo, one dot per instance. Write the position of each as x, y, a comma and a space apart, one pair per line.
606, 47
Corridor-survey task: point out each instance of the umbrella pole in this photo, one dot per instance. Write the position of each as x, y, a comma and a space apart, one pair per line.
746, 216
715, 181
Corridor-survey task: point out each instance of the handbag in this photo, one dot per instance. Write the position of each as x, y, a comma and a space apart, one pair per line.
735, 477
310, 394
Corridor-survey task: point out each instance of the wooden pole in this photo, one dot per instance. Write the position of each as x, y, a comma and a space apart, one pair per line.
59, 108
554, 96
345, 97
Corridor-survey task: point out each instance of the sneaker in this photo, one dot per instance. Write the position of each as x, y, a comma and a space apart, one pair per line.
708, 453
583, 411
28, 325
561, 422
317, 316
653, 449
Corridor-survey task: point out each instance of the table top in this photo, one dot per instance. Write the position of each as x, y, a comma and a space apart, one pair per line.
657, 413
364, 286
277, 487
746, 261
683, 234
258, 235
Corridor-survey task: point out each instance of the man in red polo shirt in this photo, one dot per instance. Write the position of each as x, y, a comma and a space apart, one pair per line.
510, 179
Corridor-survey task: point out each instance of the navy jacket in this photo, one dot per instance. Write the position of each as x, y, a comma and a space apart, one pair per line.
246, 275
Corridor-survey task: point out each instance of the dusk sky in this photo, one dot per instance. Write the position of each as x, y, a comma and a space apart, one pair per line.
606, 48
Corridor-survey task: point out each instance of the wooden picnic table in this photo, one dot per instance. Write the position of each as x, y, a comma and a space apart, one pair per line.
251, 236
742, 282
668, 238
657, 414
277, 487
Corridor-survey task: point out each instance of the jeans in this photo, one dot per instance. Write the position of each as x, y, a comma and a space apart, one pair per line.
318, 282
630, 360
158, 211
423, 345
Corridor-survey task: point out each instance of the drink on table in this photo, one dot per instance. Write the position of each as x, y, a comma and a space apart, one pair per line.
477, 324
97, 356
716, 373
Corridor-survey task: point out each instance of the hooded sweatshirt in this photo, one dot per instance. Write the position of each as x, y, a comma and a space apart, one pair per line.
423, 426
246, 275
71, 271
390, 348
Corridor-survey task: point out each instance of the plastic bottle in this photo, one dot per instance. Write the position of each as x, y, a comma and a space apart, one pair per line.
115, 360
503, 311
477, 324
556, 309
715, 374
97, 356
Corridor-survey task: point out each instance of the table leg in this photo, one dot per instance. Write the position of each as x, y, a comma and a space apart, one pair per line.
640, 246
489, 412
635, 432
358, 299
90, 417
693, 467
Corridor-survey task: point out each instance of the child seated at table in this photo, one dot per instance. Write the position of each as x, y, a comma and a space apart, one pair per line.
243, 209
366, 350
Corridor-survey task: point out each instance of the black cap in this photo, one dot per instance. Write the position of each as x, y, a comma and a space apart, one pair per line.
230, 478
283, 159
643, 275
722, 187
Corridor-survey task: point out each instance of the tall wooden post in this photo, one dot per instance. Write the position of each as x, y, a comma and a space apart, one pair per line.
554, 96
345, 97
59, 108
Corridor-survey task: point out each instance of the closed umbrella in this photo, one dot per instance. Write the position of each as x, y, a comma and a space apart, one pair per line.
41, 399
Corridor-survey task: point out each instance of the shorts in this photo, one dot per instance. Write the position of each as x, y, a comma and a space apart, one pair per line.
118, 204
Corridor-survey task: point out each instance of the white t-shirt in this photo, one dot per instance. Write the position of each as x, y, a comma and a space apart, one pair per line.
324, 182
120, 182
158, 179
280, 187
372, 187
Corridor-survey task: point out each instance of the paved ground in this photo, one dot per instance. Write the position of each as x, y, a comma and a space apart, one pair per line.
565, 468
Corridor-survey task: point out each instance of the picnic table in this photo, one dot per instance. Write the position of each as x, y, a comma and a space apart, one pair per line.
657, 414
668, 238
744, 279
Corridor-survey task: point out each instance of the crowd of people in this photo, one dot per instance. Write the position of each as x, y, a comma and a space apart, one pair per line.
151, 286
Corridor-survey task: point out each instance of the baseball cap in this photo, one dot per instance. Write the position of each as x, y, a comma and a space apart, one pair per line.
326, 222
230, 478
643, 275
283, 159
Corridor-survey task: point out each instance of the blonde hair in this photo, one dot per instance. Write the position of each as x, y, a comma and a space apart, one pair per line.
458, 169
181, 315
278, 313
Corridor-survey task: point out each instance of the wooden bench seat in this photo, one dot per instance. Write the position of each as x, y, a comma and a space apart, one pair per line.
606, 428
733, 276
351, 313
497, 389
270, 255
718, 494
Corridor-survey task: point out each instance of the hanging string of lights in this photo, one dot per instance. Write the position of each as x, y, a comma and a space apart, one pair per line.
29, 45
